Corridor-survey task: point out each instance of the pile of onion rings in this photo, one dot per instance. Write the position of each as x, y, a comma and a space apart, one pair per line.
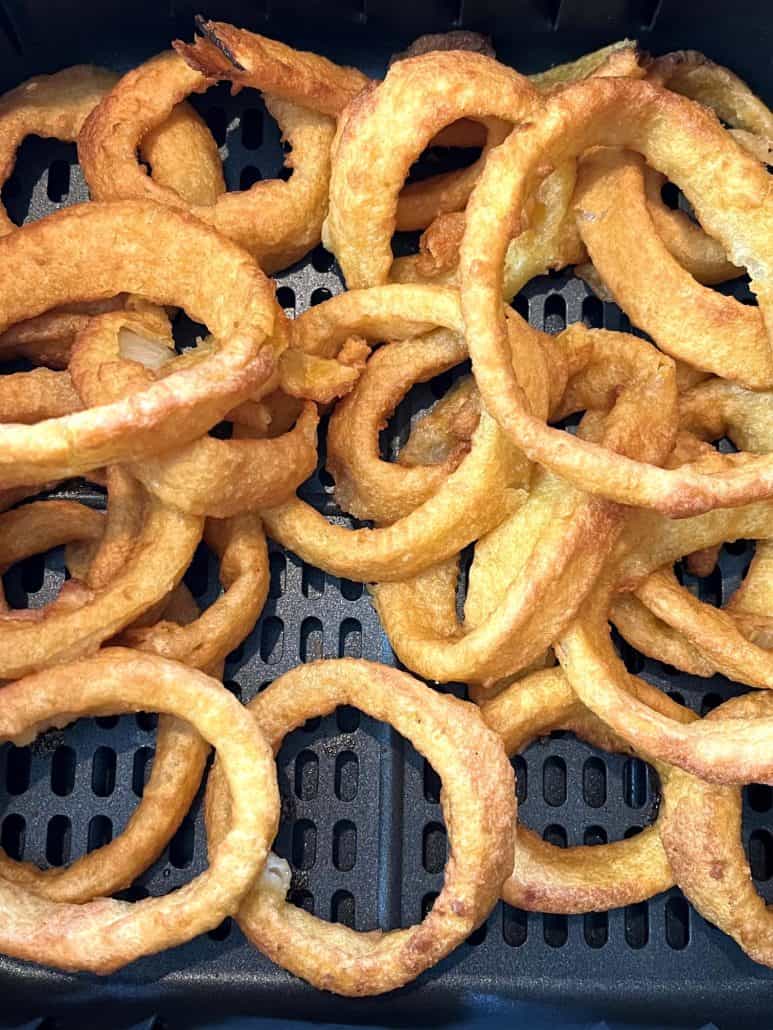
499, 548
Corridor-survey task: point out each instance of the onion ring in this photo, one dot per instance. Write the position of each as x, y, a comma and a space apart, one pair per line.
236, 299
277, 221
365, 485
700, 326
702, 256
479, 87
101, 936
42, 525
208, 476
693, 75
241, 546
553, 547
181, 151
161, 555
472, 499
700, 827
547, 878
478, 804
28, 397
599, 678
640, 116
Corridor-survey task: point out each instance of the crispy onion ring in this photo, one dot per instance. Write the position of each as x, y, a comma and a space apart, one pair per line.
41, 525
733, 207
693, 75
547, 878
49, 106
182, 153
696, 251
700, 326
710, 631
101, 936
473, 499
479, 87
700, 827
553, 547
549, 241
28, 397
667, 622
277, 221
241, 546
47, 339
48, 263
365, 485
478, 804
223, 51
208, 476
246, 59
198, 640
601, 681
161, 555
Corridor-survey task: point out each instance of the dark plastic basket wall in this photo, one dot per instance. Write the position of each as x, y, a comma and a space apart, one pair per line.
361, 820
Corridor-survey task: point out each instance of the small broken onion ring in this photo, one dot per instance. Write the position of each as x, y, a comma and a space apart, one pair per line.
101, 936
478, 804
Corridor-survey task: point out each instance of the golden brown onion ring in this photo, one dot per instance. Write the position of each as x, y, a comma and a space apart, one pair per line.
41, 525
705, 328
702, 256
240, 545
700, 827
28, 397
182, 153
277, 221
162, 553
473, 499
601, 681
693, 75
365, 485
547, 878
478, 804
733, 207
47, 339
224, 52
208, 476
366, 202
101, 936
234, 297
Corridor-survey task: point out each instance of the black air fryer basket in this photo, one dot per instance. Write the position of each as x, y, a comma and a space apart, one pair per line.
361, 822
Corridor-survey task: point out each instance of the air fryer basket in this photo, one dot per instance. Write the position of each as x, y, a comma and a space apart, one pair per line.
361, 821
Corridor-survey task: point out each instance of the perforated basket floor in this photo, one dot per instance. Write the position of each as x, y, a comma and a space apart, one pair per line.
361, 822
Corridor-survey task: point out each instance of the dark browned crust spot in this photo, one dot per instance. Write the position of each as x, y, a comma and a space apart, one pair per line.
205, 28
459, 39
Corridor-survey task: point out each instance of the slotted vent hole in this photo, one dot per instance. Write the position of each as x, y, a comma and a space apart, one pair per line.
346, 777
306, 775
344, 845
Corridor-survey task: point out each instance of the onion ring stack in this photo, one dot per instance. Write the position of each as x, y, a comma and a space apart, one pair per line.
578, 469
